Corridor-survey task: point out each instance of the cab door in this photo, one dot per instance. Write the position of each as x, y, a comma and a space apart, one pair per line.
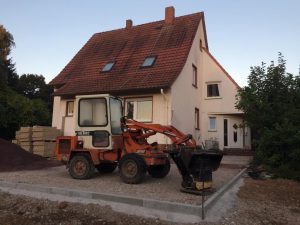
93, 122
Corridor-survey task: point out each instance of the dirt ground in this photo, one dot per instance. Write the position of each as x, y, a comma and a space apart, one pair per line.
259, 202
266, 202
14, 158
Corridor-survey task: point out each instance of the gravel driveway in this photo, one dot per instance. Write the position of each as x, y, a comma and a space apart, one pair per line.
167, 189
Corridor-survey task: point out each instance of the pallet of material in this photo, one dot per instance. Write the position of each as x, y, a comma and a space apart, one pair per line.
45, 133
25, 129
26, 145
44, 148
25, 135
14, 141
43, 129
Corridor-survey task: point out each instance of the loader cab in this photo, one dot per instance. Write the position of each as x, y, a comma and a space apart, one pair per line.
97, 120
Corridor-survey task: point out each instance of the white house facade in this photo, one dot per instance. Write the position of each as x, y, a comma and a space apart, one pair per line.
200, 100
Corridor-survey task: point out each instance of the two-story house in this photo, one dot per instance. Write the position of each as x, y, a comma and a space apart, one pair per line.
164, 72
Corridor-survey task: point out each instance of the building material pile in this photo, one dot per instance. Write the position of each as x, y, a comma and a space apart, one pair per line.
44, 140
39, 140
15, 158
24, 138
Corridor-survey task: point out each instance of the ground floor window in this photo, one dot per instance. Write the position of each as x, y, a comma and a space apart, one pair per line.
212, 123
139, 109
70, 108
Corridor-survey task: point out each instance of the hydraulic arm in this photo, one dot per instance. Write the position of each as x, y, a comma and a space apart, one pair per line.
194, 163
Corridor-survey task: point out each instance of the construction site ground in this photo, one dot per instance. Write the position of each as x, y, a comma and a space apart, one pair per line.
166, 189
254, 202
258, 202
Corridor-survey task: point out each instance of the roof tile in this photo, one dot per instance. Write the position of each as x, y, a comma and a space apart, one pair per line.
171, 44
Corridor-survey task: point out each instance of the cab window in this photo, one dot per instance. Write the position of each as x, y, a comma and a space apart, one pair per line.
92, 112
115, 115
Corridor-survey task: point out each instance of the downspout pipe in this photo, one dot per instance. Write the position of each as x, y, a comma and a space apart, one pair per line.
166, 100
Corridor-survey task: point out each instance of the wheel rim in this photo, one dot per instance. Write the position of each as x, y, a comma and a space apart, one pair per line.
130, 168
80, 167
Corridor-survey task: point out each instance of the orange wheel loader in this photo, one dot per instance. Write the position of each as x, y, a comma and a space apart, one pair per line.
105, 139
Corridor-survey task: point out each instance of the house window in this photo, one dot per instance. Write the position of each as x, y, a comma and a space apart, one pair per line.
149, 61
139, 109
212, 123
195, 76
213, 90
92, 112
235, 136
108, 66
197, 127
200, 45
70, 108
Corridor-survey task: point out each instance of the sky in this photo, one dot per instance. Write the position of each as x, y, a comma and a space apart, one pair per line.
241, 33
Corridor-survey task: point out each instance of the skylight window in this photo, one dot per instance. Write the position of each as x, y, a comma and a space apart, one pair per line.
108, 66
149, 61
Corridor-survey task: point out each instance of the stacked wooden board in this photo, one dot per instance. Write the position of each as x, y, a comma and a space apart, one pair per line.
44, 140
24, 138
39, 140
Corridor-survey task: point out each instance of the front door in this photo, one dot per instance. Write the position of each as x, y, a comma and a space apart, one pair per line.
233, 133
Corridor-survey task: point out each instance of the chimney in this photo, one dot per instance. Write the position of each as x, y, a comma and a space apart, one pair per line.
169, 15
128, 24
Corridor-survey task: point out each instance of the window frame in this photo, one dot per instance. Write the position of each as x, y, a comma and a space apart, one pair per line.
197, 119
135, 99
107, 119
108, 141
122, 113
195, 76
207, 90
67, 108
200, 45
153, 63
110, 62
215, 128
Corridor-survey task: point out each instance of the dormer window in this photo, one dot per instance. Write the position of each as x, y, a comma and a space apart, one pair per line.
108, 66
149, 61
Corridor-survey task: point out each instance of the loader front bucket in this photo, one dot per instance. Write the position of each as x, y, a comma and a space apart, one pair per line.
196, 167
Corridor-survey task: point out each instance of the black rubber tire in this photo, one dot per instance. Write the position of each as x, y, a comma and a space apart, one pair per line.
106, 167
132, 168
85, 167
160, 171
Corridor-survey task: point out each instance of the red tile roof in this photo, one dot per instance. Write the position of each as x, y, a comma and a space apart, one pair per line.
170, 43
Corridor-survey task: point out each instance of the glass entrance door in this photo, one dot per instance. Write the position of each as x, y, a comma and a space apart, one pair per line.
225, 132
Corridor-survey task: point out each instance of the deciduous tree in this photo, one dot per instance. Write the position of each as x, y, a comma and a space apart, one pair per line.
271, 103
